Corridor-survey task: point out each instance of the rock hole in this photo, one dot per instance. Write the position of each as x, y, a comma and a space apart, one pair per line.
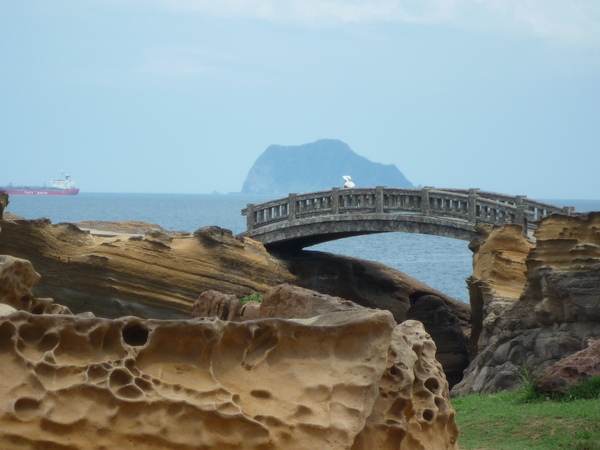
432, 384
48, 342
428, 415
7, 331
130, 391
259, 393
135, 335
96, 372
38, 309
397, 408
31, 334
119, 377
26, 408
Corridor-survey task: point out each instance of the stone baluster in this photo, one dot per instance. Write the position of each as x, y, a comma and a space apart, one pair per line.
473, 196
335, 201
379, 199
425, 205
250, 216
292, 207
520, 218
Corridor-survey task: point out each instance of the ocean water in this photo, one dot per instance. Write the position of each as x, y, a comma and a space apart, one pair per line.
441, 263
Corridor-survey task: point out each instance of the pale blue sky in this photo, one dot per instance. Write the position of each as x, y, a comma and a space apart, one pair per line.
182, 96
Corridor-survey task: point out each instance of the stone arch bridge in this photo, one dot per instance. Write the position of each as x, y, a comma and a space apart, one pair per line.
303, 220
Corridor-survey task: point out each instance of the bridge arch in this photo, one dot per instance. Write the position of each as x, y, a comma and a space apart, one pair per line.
303, 220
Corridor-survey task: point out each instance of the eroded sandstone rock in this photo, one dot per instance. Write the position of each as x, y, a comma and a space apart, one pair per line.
213, 303
499, 277
444, 328
3, 202
147, 274
293, 302
412, 410
367, 283
344, 380
17, 281
554, 316
572, 370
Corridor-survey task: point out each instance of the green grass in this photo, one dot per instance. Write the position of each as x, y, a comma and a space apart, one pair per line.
255, 297
528, 419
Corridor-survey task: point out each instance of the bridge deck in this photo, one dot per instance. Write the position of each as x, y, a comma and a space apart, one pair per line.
318, 216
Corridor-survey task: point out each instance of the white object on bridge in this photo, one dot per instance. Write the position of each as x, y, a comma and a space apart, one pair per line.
349, 183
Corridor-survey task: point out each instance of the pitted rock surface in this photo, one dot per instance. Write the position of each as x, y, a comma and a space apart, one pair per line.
572, 370
444, 328
343, 380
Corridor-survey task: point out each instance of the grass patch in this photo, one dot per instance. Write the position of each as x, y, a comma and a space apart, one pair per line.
255, 297
528, 419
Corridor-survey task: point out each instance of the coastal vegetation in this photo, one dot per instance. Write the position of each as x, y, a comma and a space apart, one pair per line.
254, 297
530, 419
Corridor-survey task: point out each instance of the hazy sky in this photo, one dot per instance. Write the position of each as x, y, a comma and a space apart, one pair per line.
182, 96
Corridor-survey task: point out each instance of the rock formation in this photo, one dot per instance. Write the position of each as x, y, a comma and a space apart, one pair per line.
367, 283
498, 277
141, 269
444, 328
153, 274
374, 285
133, 268
572, 370
316, 166
293, 302
557, 311
3, 202
349, 379
17, 279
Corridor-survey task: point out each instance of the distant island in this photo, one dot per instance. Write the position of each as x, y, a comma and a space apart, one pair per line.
320, 165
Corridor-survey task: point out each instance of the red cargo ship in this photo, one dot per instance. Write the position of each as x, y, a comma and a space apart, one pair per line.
64, 186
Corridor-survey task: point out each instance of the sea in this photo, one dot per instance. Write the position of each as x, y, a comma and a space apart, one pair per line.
442, 263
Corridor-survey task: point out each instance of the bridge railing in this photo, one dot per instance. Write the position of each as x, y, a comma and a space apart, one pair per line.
472, 205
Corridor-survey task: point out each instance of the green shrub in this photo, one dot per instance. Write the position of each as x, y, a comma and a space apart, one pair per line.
588, 389
529, 384
255, 297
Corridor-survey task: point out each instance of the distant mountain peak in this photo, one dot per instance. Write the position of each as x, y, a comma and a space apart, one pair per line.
316, 166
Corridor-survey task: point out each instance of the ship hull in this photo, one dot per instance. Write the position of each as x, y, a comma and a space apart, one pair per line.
41, 191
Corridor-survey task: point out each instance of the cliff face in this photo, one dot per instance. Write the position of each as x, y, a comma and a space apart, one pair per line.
320, 165
549, 307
